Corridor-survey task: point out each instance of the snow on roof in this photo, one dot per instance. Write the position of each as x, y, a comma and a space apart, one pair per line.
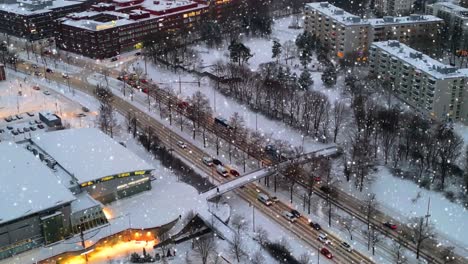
83, 201
27, 9
337, 14
27, 185
49, 115
412, 19
451, 8
420, 61
88, 154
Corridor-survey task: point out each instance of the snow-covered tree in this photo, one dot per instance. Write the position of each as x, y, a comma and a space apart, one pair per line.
305, 80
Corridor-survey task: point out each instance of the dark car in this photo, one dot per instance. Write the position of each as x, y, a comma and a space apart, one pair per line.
295, 213
8, 119
19, 117
30, 114
40, 126
390, 225
32, 128
48, 70
315, 226
14, 132
1, 130
26, 129
9, 127
114, 59
138, 54
217, 162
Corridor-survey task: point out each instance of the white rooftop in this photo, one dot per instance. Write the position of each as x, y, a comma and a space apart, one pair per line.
25, 9
336, 13
27, 185
420, 61
412, 19
451, 8
83, 201
88, 154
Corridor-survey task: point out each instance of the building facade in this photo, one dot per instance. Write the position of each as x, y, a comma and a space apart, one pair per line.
350, 36
393, 7
122, 25
435, 89
456, 21
35, 20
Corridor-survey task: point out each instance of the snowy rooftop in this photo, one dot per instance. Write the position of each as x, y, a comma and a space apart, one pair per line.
345, 18
83, 201
28, 186
412, 19
40, 7
88, 154
336, 13
420, 61
451, 8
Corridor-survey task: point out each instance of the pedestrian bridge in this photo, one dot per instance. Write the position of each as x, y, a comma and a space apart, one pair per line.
264, 172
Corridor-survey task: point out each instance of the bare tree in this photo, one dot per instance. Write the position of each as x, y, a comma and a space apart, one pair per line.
349, 225
106, 120
204, 247
374, 238
293, 173
238, 246
420, 233
258, 258
304, 258
448, 255
338, 116
369, 208
239, 223
261, 236
398, 251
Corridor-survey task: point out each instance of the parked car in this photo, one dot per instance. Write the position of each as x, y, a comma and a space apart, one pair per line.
14, 132
221, 170
346, 246
264, 199
36, 87
85, 109
46, 92
208, 161
8, 119
138, 53
295, 213
326, 253
32, 128
30, 114
217, 162
324, 239
390, 225
20, 130
1, 130
26, 129
40, 126
315, 226
114, 59
290, 217
37, 122
9, 127
36, 73
65, 76
143, 81
49, 70
19, 116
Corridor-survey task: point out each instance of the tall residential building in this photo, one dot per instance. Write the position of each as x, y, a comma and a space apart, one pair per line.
455, 17
433, 88
394, 7
347, 35
464, 3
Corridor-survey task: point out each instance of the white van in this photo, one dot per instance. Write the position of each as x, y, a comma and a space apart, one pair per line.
264, 199
222, 171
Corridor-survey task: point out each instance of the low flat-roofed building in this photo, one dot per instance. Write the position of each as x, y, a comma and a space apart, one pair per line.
50, 119
99, 165
35, 207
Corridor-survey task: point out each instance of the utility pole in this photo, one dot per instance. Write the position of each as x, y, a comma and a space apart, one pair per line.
428, 212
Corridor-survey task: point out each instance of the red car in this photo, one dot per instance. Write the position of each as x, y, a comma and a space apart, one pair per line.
145, 90
326, 253
183, 104
36, 87
390, 225
234, 173
143, 81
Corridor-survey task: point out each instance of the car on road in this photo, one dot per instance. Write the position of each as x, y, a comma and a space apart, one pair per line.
32, 128
262, 197
208, 161
49, 70
26, 129
390, 225
346, 246
324, 239
81, 115
138, 53
182, 104
9, 127
114, 59
221, 170
36, 87
295, 213
46, 92
34, 66
217, 162
181, 144
143, 81
30, 114
85, 109
47, 52
326, 253
36, 73
65, 76
315, 226
290, 217
234, 173
274, 199
40, 126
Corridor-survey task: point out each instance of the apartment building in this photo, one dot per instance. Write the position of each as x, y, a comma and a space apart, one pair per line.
393, 7
455, 17
433, 88
464, 3
349, 36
